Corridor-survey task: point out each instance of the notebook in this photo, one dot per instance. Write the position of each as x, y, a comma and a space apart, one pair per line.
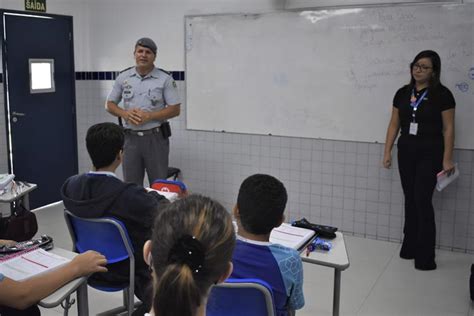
25, 264
443, 180
290, 236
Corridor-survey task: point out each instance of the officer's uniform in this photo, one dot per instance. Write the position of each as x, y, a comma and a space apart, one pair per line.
145, 147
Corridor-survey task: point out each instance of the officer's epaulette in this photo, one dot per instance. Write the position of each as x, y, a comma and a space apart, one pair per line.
166, 72
126, 69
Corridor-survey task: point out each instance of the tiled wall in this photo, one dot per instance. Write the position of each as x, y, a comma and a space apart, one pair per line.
330, 182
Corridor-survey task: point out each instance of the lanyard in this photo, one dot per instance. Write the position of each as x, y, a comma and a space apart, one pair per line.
414, 103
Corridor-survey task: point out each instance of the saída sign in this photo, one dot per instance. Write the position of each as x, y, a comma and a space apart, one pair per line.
35, 5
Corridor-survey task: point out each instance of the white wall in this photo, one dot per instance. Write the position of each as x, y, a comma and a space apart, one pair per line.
115, 26
75, 8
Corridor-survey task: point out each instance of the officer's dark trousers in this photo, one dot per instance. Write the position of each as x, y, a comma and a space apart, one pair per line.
419, 160
149, 152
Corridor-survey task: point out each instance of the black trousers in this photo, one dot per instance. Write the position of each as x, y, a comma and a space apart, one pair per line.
419, 160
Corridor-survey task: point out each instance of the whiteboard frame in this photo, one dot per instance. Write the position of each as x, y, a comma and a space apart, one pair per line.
418, 4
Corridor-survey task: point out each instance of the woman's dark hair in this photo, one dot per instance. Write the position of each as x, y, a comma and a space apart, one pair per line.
192, 244
436, 63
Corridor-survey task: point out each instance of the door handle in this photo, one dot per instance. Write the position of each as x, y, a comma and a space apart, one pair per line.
18, 114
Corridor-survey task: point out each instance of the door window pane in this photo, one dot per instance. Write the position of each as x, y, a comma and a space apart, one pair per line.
41, 75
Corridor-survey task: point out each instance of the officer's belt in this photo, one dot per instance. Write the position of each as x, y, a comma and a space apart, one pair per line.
154, 130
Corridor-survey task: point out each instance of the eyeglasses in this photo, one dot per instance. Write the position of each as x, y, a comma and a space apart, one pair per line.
423, 68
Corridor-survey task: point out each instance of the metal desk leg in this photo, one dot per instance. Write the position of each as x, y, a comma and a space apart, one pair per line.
26, 201
82, 300
337, 292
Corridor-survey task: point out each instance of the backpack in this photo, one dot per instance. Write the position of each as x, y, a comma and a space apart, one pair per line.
169, 186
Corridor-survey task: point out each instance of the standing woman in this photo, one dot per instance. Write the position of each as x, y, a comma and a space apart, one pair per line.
424, 111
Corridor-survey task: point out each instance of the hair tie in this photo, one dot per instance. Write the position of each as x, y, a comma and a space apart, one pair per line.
189, 251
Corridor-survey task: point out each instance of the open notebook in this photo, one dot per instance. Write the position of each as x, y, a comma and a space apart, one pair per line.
290, 236
25, 264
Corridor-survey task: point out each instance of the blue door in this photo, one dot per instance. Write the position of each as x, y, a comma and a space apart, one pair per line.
41, 123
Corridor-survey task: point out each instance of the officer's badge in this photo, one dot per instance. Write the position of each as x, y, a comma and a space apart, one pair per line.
174, 84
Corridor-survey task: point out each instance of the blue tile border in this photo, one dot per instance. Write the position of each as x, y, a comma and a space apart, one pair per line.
112, 75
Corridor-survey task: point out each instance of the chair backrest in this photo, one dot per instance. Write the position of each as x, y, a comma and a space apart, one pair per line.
250, 297
106, 235
175, 186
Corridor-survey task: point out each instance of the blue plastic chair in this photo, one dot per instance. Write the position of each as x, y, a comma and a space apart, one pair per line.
108, 236
236, 297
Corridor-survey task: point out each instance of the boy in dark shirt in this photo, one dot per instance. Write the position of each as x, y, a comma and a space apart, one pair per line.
99, 193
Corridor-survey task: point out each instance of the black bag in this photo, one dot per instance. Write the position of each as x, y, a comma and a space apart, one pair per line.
20, 226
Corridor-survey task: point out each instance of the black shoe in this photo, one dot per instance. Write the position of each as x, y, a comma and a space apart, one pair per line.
406, 253
425, 266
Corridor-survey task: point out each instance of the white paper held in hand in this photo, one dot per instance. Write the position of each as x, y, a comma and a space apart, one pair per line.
443, 180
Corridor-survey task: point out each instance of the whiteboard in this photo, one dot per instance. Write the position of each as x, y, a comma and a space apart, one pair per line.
328, 74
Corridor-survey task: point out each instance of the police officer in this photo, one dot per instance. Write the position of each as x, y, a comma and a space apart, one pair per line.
150, 98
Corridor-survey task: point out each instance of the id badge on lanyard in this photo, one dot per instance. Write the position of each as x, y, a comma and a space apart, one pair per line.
414, 103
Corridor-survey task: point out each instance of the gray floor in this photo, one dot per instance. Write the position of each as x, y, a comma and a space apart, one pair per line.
377, 282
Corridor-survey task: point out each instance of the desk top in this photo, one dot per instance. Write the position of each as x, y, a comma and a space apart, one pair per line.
20, 190
335, 258
60, 295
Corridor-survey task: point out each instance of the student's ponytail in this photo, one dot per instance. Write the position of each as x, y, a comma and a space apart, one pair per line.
192, 244
177, 293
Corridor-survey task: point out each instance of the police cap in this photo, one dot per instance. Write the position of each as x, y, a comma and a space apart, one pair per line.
148, 43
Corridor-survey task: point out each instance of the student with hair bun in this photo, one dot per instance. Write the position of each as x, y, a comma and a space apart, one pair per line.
190, 250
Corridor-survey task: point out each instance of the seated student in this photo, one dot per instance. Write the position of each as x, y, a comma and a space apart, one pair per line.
260, 206
100, 193
19, 297
190, 250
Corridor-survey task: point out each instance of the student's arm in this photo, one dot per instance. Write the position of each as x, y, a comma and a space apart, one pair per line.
22, 294
392, 132
6, 242
296, 299
141, 206
448, 135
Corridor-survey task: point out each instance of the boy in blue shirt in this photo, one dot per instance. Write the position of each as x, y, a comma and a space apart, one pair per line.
259, 209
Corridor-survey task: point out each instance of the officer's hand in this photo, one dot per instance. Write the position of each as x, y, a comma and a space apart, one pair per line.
144, 116
133, 117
